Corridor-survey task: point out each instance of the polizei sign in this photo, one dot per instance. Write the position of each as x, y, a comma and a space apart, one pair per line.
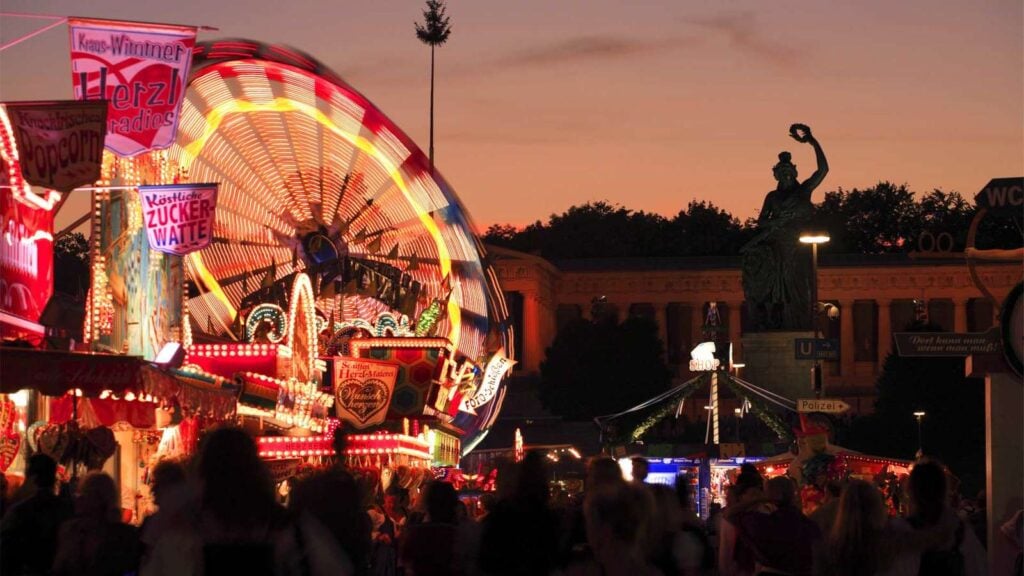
179, 217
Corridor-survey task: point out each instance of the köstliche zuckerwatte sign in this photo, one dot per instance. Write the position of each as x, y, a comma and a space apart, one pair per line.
179, 217
140, 70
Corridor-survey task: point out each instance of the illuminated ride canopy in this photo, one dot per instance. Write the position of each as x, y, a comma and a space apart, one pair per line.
315, 179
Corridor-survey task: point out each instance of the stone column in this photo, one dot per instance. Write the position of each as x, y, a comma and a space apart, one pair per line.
847, 353
884, 331
959, 314
532, 349
735, 329
697, 309
661, 317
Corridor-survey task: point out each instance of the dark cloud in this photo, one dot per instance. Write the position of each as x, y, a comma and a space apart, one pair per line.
742, 32
586, 48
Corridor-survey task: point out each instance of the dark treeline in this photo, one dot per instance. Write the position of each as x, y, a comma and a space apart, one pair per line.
885, 218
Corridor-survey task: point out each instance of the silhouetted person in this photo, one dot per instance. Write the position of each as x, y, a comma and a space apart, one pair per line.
929, 508
618, 518
95, 542
28, 533
603, 471
640, 469
520, 536
428, 549
694, 551
865, 541
170, 492
334, 499
783, 539
5, 501
665, 536
825, 515
238, 527
735, 557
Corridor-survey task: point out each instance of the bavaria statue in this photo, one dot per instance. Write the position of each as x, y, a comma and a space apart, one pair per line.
776, 267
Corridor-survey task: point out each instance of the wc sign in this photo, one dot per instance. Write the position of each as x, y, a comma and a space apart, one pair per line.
1002, 194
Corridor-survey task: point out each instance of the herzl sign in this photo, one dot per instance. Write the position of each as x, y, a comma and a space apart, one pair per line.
140, 69
60, 144
362, 390
179, 217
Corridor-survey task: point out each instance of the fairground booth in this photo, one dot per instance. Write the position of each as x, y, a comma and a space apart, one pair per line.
800, 446
285, 259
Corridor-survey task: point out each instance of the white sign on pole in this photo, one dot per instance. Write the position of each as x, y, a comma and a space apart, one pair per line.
823, 405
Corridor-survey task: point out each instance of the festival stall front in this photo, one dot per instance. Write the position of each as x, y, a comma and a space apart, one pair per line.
314, 268
817, 461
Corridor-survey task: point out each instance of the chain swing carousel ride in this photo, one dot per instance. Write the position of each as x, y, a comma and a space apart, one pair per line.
344, 277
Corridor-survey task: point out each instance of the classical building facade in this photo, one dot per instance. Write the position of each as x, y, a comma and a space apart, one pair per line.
874, 296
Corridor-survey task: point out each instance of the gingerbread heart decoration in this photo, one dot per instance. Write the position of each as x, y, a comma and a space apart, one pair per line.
362, 401
9, 446
8, 416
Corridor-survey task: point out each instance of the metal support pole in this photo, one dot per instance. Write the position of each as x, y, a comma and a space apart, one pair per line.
714, 407
818, 392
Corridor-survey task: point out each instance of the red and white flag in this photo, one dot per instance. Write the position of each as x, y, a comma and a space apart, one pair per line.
140, 70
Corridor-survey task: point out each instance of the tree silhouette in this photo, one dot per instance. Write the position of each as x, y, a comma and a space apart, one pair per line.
884, 218
601, 367
71, 264
954, 407
434, 31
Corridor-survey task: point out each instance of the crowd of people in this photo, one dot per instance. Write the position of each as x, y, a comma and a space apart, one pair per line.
221, 514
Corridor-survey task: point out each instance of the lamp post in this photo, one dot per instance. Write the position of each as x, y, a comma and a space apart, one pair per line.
920, 446
739, 414
815, 238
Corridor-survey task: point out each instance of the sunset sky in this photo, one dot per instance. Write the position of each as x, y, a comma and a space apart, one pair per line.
542, 104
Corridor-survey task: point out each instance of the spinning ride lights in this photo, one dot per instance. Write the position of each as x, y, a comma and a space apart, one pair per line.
314, 179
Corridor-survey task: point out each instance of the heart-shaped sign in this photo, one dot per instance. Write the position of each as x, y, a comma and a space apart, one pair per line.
363, 399
9, 446
8, 415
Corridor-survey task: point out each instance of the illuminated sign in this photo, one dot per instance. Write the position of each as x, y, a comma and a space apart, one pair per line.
702, 358
497, 367
141, 70
60, 143
179, 217
362, 390
26, 257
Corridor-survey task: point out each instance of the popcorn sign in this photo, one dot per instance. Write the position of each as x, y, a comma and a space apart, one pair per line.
179, 217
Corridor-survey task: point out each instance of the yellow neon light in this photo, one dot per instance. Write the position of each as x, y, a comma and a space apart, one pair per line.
216, 115
211, 283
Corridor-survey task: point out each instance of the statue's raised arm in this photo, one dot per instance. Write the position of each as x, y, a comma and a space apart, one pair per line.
802, 133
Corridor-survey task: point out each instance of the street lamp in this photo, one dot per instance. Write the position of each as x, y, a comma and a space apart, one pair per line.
815, 238
920, 447
739, 414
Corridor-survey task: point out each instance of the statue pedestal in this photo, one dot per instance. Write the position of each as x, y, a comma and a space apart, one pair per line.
771, 363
